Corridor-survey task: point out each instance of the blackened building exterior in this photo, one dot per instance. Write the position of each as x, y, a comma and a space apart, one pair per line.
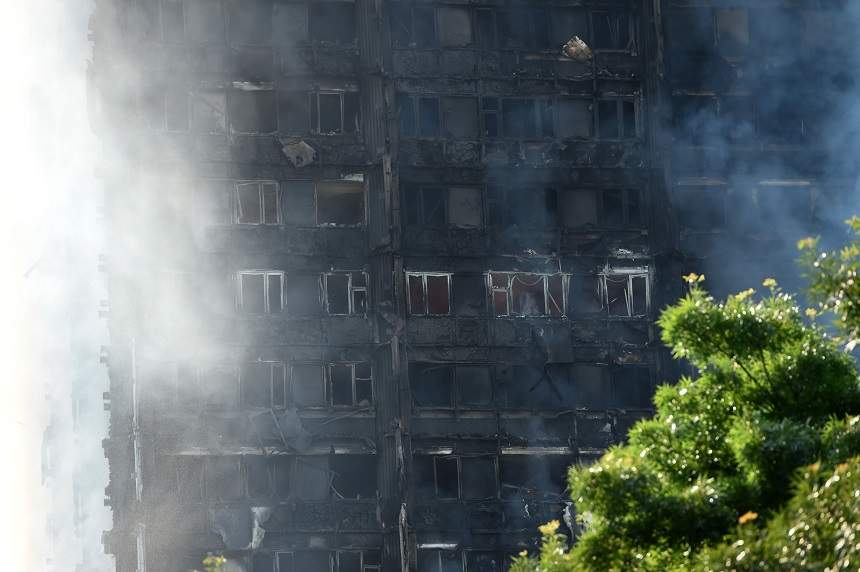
380, 271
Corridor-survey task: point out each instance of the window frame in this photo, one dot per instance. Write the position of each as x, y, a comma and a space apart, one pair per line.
317, 223
630, 274
351, 291
273, 364
354, 379
621, 134
260, 183
458, 457
266, 274
416, 369
417, 192
426, 302
314, 112
508, 291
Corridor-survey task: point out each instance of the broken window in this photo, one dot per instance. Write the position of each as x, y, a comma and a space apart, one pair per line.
575, 118
580, 208
413, 26
258, 476
189, 479
282, 474
616, 119
261, 291
524, 28
631, 387
253, 110
312, 478
612, 30
460, 117
528, 294
340, 203
333, 113
437, 207
303, 295
567, 23
454, 26
626, 294
307, 388
350, 384
455, 477
530, 387
527, 118
204, 22
332, 22
429, 294
521, 206
257, 202
406, 115
732, 31
346, 293
528, 475
263, 384
294, 111
446, 385
590, 385
250, 22
289, 23
586, 294
217, 386
428, 116
209, 111
223, 478
353, 476
440, 561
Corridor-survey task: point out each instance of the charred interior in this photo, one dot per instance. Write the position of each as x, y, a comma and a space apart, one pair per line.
381, 270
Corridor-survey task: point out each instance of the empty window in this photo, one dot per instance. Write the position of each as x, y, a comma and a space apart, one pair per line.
223, 478
611, 207
580, 208
521, 206
353, 476
253, 110
258, 473
263, 384
455, 477
350, 384
527, 294
257, 202
209, 111
626, 295
413, 26
447, 385
631, 387
454, 26
332, 22
437, 207
340, 203
523, 28
346, 293
611, 30
429, 294
307, 388
616, 119
333, 113
454, 116
460, 117
533, 475
575, 118
261, 292
204, 21
527, 118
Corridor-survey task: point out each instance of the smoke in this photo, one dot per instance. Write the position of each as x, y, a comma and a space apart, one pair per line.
51, 417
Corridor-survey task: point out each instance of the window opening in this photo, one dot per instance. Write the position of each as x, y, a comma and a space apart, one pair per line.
429, 294
527, 294
346, 293
261, 292
257, 202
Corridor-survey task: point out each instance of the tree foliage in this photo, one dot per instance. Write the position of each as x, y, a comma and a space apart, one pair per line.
752, 464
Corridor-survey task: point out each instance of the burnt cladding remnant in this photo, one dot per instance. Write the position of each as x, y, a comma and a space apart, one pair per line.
380, 271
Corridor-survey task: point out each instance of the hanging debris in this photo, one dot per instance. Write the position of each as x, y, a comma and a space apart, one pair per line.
577, 49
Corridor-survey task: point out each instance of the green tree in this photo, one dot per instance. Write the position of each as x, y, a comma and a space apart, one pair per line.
748, 466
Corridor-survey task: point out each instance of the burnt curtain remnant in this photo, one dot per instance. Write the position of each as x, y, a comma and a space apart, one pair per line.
381, 270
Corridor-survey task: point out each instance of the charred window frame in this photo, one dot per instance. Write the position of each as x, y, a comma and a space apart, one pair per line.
613, 31
346, 293
521, 294
429, 293
350, 384
256, 203
617, 118
334, 112
611, 208
627, 293
261, 291
526, 475
457, 477
518, 118
340, 203
451, 386
263, 384
440, 207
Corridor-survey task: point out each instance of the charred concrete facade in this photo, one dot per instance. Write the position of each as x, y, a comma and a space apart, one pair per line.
379, 271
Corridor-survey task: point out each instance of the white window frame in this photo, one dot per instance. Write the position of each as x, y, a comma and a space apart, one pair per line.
508, 291
240, 295
353, 378
424, 276
276, 563
260, 184
351, 291
631, 274
272, 365
314, 101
